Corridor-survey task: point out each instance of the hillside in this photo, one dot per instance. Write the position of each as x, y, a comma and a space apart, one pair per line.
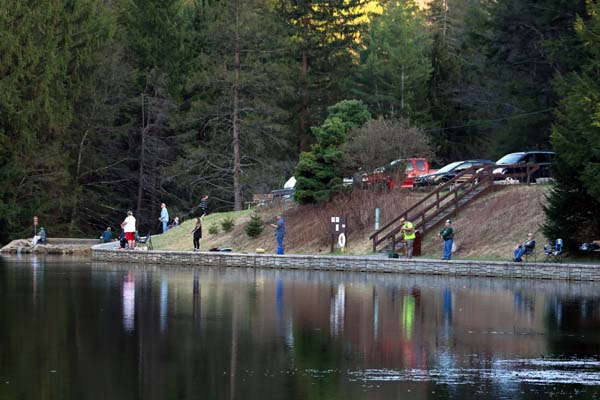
487, 228
492, 225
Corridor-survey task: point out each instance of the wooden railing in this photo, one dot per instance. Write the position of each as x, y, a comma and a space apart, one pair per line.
458, 191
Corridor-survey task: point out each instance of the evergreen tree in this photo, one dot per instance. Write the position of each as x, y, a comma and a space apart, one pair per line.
154, 35
395, 65
325, 41
239, 142
47, 66
319, 171
572, 210
255, 226
455, 26
529, 43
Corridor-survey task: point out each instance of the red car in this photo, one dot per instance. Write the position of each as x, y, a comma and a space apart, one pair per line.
388, 176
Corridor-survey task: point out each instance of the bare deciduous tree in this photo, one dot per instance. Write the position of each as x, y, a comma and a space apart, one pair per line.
380, 141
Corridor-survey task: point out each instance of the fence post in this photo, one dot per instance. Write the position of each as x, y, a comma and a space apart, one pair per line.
455, 203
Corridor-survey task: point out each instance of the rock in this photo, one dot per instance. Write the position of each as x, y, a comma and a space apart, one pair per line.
25, 246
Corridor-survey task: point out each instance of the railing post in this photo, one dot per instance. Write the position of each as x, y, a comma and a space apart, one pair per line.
455, 203
374, 245
437, 198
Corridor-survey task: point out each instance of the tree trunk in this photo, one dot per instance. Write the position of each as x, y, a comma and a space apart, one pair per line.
402, 93
141, 171
237, 170
303, 123
445, 7
77, 190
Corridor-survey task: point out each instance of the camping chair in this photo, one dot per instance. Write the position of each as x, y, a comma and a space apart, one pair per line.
530, 252
554, 253
146, 240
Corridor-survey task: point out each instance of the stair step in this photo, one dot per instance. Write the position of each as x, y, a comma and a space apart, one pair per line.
449, 205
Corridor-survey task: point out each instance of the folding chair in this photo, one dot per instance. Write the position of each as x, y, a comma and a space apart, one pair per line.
147, 241
530, 253
554, 253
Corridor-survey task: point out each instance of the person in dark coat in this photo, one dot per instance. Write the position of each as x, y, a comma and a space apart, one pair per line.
106, 235
197, 234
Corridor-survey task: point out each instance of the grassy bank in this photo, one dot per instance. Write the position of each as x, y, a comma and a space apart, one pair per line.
487, 229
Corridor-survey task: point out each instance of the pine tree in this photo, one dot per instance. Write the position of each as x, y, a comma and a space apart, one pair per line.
456, 61
529, 43
155, 39
240, 143
572, 209
395, 64
47, 67
255, 227
319, 171
325, 41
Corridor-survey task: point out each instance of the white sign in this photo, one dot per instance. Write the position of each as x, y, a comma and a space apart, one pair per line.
342, 240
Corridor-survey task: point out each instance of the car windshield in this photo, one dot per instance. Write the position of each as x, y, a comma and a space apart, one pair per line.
449, 167
512, 158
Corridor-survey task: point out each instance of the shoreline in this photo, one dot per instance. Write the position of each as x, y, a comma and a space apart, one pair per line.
52, 246
421, 266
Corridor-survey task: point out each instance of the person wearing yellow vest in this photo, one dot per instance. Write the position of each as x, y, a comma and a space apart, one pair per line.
409, 235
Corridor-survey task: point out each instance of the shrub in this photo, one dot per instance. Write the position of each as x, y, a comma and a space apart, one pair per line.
213, 229
319, 171
255, 226
227, 224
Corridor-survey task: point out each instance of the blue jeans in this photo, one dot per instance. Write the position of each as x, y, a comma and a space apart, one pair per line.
447, 249
519, 253
279, 239
165, 227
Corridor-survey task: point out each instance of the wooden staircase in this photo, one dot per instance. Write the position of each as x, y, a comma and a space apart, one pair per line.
447, 199
440, 204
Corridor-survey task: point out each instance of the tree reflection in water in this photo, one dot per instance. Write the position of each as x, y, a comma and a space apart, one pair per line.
122, 332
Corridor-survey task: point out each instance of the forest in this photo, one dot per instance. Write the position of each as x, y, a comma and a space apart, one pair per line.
108, 105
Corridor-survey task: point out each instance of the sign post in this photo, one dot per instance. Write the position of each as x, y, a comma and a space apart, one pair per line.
338, 230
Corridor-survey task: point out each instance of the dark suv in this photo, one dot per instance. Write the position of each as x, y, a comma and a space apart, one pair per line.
543, 158
448, 172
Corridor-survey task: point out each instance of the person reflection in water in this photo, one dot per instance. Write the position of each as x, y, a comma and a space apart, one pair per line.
129, 303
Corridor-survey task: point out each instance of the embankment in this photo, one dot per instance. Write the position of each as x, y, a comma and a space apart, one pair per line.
53, 246
571, 272
487, 228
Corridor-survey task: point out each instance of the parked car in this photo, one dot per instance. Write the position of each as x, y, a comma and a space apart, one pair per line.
388, 176
448, 172
543, 158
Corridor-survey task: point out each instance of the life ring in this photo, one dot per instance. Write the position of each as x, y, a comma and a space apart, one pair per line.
342, 240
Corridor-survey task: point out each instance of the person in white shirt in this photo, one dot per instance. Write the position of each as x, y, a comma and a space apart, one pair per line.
128, 226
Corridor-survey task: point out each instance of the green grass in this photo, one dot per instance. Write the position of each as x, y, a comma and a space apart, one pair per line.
180, 238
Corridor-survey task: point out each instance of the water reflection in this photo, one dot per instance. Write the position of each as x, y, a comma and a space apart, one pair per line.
164, 303
37, 273
129, 302
336, 311
229, 333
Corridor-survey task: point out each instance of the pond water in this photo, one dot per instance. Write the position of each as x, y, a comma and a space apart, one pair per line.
81, 330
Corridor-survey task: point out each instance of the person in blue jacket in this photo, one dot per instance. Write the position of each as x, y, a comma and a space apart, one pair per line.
164, 217
279, 233
106, 236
